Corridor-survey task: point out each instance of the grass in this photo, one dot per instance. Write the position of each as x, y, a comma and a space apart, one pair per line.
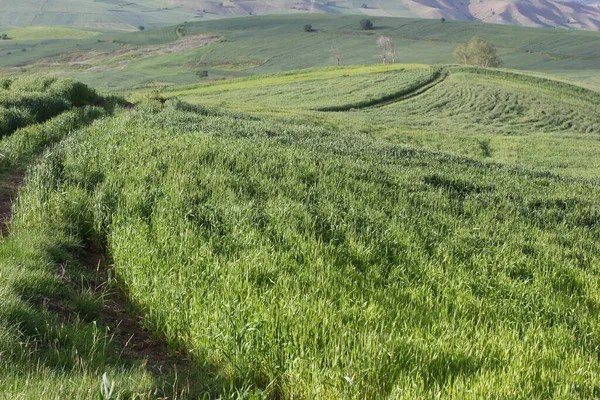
25, 101
295, 260
322, 88
519, 119
294, 253
270, 44
55, 338
91, 14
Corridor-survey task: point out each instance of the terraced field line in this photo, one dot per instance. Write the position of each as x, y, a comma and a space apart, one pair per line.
9, 186
438, 78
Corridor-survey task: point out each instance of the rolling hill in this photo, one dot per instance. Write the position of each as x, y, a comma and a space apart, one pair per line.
279, 251
265, 44
112, 14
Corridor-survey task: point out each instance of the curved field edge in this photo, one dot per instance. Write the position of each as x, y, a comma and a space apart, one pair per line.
298, 261
417, 87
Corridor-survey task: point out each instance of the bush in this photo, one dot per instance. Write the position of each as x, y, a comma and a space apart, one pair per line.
366, 24
478, 52
202, 74
307, 28
443, 19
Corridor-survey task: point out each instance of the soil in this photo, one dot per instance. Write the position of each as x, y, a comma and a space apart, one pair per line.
9, 186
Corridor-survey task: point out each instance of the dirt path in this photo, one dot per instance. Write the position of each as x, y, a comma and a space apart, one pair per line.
120, 316
125, 324
9, 186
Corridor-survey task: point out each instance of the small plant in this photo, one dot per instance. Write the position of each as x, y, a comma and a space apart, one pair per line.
307, 28
486, 149
106, 388
366, 24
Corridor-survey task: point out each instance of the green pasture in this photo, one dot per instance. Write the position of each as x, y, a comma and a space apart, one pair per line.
294, 260
269, 44
41, 33
407, 231
503, 116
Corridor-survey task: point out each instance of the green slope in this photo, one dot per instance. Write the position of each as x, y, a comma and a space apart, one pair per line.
269, 44
485, 114
297, 260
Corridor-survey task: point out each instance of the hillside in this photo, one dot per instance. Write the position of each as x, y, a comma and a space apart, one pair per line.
279, 251
257, 45
108, 14
484, 114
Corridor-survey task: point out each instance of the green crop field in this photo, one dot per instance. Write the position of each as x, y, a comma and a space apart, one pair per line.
488, 115
268, 44
287, 229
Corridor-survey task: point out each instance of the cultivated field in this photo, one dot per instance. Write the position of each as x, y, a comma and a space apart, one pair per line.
488, 115
259, 45
287, 229
294, 253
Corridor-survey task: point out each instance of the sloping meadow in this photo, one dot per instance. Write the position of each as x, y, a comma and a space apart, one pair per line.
295, 261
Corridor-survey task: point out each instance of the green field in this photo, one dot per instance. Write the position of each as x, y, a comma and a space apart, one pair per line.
483, 114
289, 229
268, 44
38, 33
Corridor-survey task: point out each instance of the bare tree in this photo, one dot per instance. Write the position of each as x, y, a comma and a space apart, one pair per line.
387, 47
336, 53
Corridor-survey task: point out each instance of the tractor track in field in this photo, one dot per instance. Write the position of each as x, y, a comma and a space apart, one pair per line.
9, 187
437, 79
119, 314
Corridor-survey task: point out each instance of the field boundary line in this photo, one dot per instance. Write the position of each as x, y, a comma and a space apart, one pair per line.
437, 78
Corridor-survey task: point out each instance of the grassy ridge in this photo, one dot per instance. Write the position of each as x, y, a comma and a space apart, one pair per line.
24, 101
321, 89
300, 261
50, 343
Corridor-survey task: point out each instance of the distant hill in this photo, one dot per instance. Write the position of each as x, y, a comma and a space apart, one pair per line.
114, 14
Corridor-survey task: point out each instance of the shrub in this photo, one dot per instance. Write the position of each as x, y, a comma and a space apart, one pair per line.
202, 74
307, 28
478, 52
366, 24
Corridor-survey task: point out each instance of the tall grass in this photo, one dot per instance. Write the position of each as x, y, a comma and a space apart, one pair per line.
297, 261
25, 101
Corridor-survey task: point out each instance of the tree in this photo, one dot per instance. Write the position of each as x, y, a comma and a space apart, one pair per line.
478, 52
307, 28
202, 73
335, 52
387, 47
443, 19
366, 24
141, 28
4, 36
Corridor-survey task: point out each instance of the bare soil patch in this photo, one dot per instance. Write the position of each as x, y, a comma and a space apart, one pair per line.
9, 186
